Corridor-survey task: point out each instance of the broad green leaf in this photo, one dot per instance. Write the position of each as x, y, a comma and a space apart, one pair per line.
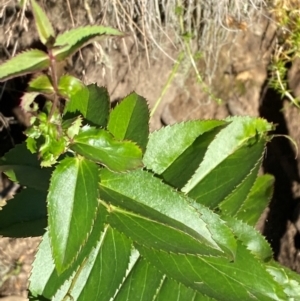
43, 25
101, 273
166, 145
71, 41
130, 120
229, 159
72, 208
153, 234
44, 279
141, 193
75, 92
244, 279
18, 163
258, 199
91, 101
175, 152
222, 180
23, 63
41, 84
172, 290
100, 146
251, 238
25, 215
97, 110
233, 202
141, 284
288, 279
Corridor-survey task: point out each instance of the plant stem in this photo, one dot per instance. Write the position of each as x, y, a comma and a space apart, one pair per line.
170, 79
53, 75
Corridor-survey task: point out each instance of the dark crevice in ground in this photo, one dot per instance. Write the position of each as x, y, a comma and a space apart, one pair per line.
279, 161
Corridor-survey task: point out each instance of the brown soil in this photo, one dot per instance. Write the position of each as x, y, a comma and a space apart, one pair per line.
240, 80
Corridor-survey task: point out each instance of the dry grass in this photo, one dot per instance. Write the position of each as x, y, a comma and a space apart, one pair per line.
155, 23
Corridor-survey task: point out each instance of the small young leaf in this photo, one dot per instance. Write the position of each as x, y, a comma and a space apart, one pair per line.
18, 163
258, 199
25, 215
100, 146
26, 62
91, 101
75, 92
43, 25
72, 208
97, 110
72, 126
130, 120
71, 41
41, 84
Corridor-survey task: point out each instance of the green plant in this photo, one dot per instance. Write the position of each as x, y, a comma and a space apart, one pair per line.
287, 16
130, 216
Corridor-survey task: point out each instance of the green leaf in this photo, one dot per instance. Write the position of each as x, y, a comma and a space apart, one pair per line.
25, 215
233, 202
41, 84
43, 25
72, 126
258, 199
72, 207
171, 290
75, 92
175, 152
147, 196
141, 284
217, 277
26, 62
151, 233
44, 279
98, 105
18, 163
100, 146
251, 238
130, 120
101, 272
91, 101
289, 280
222, 180
240, 144
45, 136
71, 41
